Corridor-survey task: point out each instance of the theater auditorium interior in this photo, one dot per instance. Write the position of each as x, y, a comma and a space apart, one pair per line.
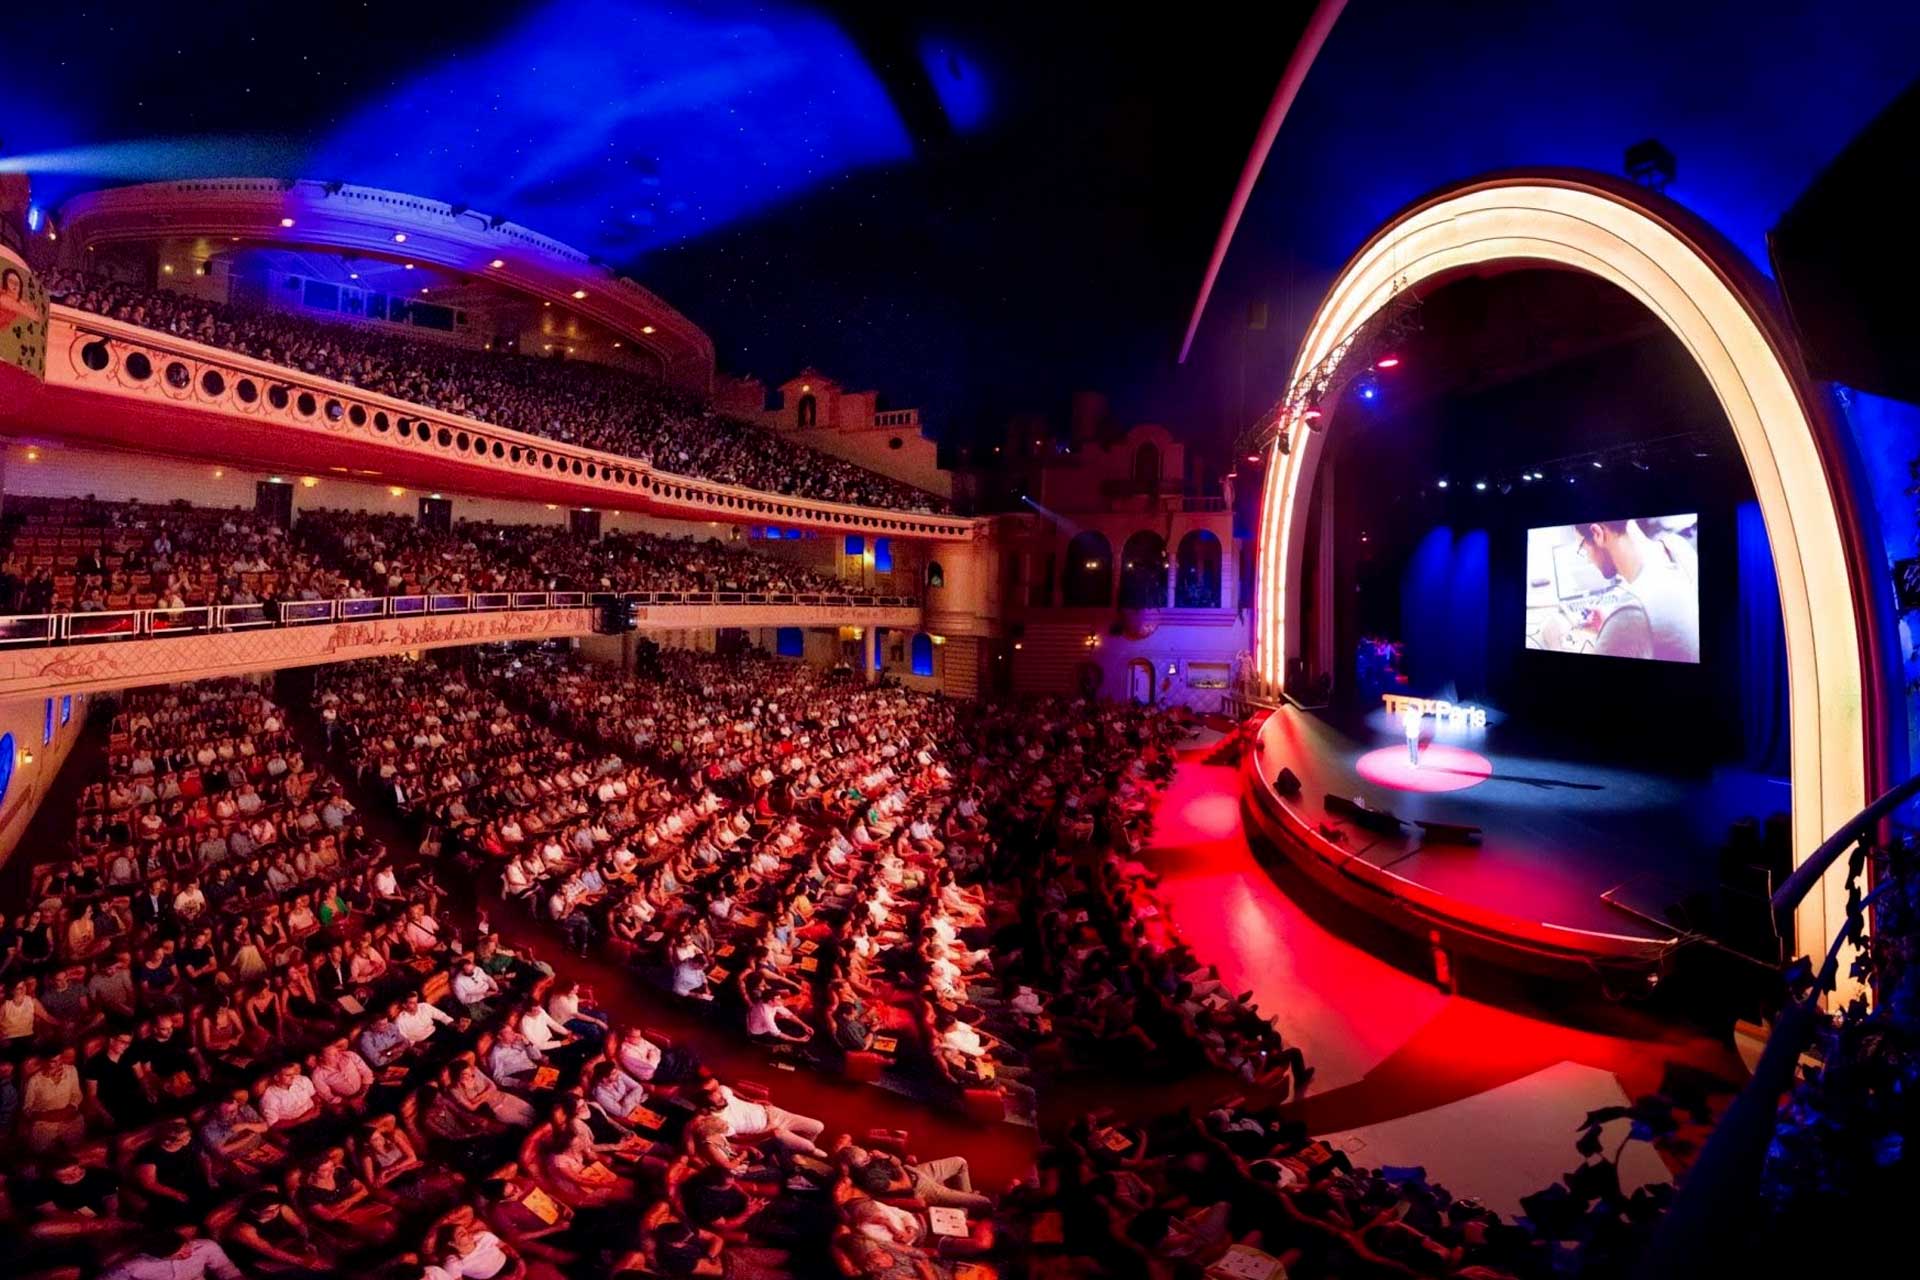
959, 642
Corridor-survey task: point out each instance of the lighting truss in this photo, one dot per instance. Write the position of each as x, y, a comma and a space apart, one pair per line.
1387, 331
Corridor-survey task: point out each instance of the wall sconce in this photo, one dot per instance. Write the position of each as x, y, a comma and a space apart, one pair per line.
938, 639
26, 755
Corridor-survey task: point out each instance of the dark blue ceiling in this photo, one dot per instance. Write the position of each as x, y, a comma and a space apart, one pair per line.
974, 207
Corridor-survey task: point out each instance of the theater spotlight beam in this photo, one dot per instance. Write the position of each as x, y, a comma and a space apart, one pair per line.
1728, 319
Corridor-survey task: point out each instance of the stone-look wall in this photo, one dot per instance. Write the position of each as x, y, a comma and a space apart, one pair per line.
26, 720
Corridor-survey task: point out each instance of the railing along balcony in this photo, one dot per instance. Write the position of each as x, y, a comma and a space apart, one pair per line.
96, 626
162, 373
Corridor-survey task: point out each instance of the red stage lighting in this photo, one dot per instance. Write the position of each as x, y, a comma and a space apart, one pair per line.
1254, 458
1311, 415
1387, 362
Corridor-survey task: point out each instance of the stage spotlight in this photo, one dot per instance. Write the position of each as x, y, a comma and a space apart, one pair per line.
1387, 362
1650, 164
1443, 482
1311, 415
1526, 477
1369, 389
1480, 486
1597, 464
1254, 458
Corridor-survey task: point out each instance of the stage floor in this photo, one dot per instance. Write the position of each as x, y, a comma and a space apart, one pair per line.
1559, 834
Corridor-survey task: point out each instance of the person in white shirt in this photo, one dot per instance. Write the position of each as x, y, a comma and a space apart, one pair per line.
418, 1020
567, 1007
194, 1258
290, 1100
745, 1118
473, 987
475, 1253
548, 1036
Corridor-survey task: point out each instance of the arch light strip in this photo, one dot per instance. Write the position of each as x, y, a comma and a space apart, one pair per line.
1598, 231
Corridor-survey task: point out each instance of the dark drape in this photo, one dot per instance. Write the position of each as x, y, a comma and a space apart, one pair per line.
1762, 646
1444, 614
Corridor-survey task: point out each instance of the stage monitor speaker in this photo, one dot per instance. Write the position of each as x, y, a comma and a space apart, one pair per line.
1363, 816
1288, 783
1448, 833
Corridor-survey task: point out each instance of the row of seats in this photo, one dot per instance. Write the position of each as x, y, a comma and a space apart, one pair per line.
80, 555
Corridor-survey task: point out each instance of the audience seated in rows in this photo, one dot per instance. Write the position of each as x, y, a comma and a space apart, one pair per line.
82, 555
578, 403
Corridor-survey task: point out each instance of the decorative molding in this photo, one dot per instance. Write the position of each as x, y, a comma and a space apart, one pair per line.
364, 220
1725, 314
279, 415
121, 664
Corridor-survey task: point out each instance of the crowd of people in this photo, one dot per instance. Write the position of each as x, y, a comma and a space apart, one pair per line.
82, 556
887, 883
243, 1037
395, 554
286, 1061
579, 403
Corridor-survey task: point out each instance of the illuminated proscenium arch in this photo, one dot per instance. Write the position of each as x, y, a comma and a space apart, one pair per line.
1725, 316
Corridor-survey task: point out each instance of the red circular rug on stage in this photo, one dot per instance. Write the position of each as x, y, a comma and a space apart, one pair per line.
1441, 768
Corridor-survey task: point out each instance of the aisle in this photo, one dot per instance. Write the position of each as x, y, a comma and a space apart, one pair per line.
998, 1153
1484, 1097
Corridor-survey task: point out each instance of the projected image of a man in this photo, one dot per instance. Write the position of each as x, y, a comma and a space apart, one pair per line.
1653, 609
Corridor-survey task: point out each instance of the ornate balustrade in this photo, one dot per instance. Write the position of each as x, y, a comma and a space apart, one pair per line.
118, 384
83, 652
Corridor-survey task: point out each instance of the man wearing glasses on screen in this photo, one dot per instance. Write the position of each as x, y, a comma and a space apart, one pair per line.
1652, 609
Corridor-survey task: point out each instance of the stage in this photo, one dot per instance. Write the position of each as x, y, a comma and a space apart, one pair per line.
1578, 863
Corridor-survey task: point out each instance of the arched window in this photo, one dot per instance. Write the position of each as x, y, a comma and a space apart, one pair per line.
923, 654
1088, 580
1198, 583
807, 412
1146, 467
936, 576
1143, 571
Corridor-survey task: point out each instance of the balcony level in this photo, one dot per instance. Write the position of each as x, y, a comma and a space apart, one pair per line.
116, 385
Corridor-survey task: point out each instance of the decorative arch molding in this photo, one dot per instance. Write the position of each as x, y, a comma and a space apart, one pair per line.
309, 214
1726, 316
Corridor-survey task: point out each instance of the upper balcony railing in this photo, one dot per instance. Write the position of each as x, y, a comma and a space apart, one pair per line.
94, 354
98, 626
93, 652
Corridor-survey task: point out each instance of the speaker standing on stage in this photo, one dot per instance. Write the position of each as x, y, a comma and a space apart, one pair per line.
1411, 717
